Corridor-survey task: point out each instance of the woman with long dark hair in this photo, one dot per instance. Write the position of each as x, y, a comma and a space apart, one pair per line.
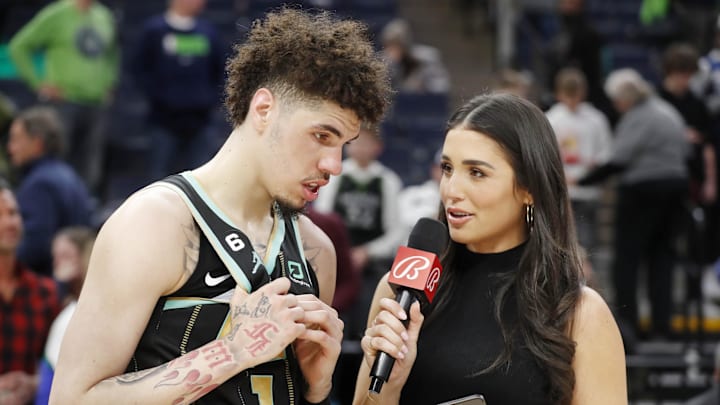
513, 319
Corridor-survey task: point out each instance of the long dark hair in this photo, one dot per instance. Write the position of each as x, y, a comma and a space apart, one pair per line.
548, 282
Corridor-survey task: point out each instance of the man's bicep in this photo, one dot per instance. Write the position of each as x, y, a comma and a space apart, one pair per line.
320, 253
132, 265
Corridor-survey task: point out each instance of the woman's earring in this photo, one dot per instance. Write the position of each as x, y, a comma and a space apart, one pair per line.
530, 216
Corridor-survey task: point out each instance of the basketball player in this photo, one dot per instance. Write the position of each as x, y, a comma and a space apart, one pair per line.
209, 287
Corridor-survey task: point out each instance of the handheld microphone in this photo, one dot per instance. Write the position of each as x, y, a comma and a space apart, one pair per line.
414, 275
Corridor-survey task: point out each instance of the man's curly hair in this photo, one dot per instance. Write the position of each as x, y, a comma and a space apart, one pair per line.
313, 57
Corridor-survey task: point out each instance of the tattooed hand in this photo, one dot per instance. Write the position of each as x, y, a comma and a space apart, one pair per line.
318, 348
264, 322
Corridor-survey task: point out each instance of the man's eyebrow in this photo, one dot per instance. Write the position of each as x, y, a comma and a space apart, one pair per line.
329, 128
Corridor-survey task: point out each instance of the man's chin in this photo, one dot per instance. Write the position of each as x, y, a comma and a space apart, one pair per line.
289, 209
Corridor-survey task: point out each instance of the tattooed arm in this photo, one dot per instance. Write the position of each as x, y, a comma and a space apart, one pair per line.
320, 253
145, 250
318, 349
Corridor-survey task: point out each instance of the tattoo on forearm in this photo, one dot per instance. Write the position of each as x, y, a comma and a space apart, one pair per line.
181, 371
261, 339
191, 248
132, 378
217, 353
197, 383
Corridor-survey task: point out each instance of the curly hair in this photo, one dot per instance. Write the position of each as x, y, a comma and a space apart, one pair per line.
308, 57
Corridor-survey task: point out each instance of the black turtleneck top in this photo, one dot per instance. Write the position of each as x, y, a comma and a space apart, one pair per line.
466, 338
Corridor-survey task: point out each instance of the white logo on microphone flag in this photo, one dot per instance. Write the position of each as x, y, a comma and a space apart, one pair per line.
410, 267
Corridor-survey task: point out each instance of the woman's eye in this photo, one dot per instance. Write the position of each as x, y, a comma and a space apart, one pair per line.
446, 168
320, 136
476, 173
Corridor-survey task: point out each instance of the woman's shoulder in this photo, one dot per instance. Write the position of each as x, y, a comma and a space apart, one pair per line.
592, 312
599, 361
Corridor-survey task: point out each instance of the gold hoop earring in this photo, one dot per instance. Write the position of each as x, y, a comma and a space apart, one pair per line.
530, 216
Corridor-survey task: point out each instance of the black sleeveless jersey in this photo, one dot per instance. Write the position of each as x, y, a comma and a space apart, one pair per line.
198, 312
454, 347
360, 205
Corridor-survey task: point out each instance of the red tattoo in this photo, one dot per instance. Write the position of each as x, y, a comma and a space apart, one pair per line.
196, 383
218, 352
259, 334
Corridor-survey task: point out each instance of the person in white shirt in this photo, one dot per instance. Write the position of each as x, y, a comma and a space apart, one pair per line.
585, 141
421, 200
365, 195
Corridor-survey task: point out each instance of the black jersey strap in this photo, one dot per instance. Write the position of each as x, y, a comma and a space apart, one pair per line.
231, 244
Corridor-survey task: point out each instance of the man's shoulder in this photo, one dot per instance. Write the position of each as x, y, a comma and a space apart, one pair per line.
153, 207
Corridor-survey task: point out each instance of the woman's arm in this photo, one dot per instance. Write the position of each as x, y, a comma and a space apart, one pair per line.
385, 332
599, 361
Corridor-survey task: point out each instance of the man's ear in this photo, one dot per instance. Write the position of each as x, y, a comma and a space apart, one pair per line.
261, 107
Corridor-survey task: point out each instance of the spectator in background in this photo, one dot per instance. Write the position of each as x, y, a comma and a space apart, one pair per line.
78, 41
649, 154
706, 84
28, 304
178, 64
414, 67
519, 83
365, 196
422, 200
578, 44
679, 64
71, 254
8, 109
584, 137
51, 195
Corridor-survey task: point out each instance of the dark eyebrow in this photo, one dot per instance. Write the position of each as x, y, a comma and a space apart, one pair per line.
329, 128
335, 131
473, 162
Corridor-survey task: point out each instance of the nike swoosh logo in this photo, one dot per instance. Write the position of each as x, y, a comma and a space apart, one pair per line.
213, 281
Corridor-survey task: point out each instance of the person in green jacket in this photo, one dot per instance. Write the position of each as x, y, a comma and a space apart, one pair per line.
78, 42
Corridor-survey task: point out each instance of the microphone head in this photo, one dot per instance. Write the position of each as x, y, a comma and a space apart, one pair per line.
417, 267
429, 235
